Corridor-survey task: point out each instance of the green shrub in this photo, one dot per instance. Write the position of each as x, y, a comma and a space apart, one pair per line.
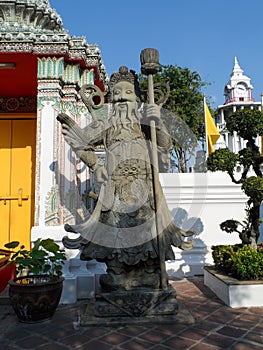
222, 159
239, 261
253, 187
248, 263
222, 256
45, 258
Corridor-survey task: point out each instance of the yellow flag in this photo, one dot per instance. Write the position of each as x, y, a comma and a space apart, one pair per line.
212, 133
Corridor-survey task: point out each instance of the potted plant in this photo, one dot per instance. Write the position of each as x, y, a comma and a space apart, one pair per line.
242, 264
36, 289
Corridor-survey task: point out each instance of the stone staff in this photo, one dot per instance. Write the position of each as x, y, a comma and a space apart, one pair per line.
149, 66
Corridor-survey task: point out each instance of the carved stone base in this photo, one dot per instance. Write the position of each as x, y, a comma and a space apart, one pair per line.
136, 306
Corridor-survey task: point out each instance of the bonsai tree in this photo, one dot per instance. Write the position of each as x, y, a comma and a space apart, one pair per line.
248, 123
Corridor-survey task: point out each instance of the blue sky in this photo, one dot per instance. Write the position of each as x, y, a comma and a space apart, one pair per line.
202, 35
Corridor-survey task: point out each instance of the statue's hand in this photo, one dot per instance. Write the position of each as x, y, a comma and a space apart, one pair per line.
153, 113
73, 134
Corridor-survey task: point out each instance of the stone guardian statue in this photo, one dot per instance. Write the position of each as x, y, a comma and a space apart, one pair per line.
122, 231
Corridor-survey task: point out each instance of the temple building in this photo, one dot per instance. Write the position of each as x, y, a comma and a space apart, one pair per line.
42, 68
238, 95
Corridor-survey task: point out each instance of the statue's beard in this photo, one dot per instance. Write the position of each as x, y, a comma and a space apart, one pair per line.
125, 115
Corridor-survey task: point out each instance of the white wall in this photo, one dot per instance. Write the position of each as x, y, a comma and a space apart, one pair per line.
201, 201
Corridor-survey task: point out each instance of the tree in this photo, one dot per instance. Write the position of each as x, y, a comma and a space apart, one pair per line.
248, 124
185, 119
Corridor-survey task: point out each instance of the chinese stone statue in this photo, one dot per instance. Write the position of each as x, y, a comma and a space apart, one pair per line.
130, 213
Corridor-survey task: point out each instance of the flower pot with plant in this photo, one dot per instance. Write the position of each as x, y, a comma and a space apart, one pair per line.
36, 289
242, 262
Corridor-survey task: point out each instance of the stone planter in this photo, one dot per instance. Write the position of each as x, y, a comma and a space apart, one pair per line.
233, 292
35, 298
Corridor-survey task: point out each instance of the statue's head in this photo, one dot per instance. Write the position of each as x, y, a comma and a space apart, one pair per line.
124, 86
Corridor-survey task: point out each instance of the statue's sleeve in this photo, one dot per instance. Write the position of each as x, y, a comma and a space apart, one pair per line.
163, 138
164, 144
94, 133
81, 138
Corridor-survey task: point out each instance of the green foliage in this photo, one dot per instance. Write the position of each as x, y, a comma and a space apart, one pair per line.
222, 160
45, 258
12, 245
186, 98
186, 103
239, 261
246, 157
248, 263
248, 123
230, 226
253, 187
222, 256
243, 228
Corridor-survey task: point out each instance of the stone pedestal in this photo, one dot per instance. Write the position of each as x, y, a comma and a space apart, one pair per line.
139, 306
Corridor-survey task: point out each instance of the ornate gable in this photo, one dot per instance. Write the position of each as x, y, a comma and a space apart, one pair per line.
33, 26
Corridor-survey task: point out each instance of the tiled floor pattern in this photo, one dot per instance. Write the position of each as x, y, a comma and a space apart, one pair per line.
217, 327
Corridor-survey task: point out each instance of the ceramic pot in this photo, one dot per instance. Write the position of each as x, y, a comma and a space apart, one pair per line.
35, 298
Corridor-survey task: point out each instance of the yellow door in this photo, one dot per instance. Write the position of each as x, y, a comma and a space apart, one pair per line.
17, 175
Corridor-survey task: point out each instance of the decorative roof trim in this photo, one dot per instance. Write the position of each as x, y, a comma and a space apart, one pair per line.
33, 16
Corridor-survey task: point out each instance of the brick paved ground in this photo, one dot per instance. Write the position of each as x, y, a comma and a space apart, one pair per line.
217, 327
